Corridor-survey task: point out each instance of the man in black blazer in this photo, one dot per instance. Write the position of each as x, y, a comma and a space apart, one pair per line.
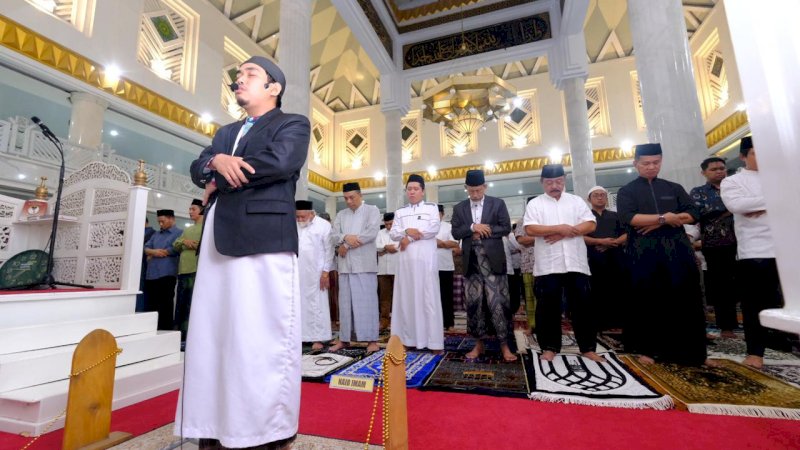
481, 223
242, 380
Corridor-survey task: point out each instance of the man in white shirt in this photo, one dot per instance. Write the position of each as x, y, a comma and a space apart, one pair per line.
417, 312
444, 255
314, 259
387, 268
761, 288
355, 229
559, 221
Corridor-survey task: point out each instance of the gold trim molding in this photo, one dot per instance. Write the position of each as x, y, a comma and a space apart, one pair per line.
726, 128
51, 54
603, 155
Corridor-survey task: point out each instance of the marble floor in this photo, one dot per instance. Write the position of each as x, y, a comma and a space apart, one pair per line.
162, 439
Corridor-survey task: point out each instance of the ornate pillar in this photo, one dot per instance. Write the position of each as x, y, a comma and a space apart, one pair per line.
669, 93
394, 105
580, 141
294, 57
768, 66
86, 119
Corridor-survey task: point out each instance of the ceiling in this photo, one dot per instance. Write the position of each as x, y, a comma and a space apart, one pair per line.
344, 77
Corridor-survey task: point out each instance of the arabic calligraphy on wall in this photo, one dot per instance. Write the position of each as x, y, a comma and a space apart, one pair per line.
480, 40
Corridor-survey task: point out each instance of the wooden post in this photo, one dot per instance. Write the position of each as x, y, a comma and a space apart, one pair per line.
396, 406
91, 389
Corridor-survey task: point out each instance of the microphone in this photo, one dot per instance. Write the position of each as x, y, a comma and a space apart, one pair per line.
234, 86
44, 128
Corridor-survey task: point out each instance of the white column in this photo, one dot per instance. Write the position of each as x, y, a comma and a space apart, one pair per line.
669, 95
86, 119
393, 143
767, 46
580, 140
431, 193
134, 238
330, 206
294, 58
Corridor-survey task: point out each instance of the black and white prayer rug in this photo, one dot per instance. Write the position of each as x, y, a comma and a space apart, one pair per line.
576, 380
527, 341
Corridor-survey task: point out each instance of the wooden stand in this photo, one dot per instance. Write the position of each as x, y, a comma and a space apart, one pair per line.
91, 389
397, 406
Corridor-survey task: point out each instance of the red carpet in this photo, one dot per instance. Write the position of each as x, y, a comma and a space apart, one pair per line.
136, 419
439, 420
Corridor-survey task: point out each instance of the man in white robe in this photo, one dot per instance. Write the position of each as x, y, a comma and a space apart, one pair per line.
354, 231
242, 364
417, 307
315, 258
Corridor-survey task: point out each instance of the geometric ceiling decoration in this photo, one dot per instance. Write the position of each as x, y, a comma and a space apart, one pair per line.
523, 127
165, 41
597, 107
78, 13
234, 56
344, 77
710, 70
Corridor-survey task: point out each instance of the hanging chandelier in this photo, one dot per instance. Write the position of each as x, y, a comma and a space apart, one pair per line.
466, 103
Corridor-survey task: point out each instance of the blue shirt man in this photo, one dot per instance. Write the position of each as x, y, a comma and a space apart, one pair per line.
162, 269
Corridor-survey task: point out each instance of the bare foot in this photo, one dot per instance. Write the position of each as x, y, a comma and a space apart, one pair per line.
372, 347
646, 360
338, 346
727, 334
594, 357
476, 351
712, 363
507, 355
756, 362
317, 346
547, 355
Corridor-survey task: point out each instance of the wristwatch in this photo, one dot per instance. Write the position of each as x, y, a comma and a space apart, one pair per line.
661, 219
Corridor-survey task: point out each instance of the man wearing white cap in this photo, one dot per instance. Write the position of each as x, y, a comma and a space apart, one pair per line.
604, 248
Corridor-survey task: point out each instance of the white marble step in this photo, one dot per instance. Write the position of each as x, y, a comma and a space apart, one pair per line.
36, 428
20, 310
41, 403
21, 370
23, 339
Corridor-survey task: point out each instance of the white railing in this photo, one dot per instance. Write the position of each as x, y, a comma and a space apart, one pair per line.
21, 138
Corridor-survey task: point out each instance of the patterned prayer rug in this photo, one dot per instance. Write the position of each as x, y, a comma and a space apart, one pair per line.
418, 366
736, 349
569, 344
489, 375
577, 380
315, 367
730, 389
787, 373
612, 341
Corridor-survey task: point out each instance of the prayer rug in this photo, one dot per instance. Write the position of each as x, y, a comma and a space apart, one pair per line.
577, 380
736, 349
419, 366
569, 344
488, 375
612, 341
452, 342
787, 373
315, 367
730, 389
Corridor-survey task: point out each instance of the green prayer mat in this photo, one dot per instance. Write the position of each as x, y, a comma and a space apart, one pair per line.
730, 389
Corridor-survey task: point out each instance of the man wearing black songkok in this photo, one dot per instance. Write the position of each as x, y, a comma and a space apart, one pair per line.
666, 319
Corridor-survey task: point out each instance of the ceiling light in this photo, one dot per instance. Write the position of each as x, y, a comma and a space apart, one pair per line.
378, 176
459, 149
488, 165
22, 176
169, 166
114, 133
206, 118
517, 102
491, 184
741, 107
187, 224
519, 192
112, 73
520, 141
160, 68
629, 170
432, 171
555, 156
158, 194
380, 195
356, 164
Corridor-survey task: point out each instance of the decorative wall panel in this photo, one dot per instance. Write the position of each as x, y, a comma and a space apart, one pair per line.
597, 107
355, 145
637, 100
522, 128
410, 126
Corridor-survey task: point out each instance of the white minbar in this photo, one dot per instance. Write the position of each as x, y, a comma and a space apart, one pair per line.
100, 241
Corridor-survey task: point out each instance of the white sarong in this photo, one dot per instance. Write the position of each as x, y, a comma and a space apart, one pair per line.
243, 351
